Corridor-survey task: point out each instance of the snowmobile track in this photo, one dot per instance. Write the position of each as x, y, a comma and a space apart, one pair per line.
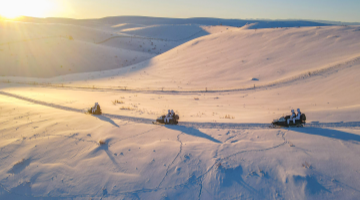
205, 125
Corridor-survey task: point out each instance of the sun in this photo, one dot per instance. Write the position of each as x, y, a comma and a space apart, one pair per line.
35, 8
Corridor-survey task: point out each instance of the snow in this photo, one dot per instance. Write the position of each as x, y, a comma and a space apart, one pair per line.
270, 55
149, 21
168, 32
51, 149
48, 50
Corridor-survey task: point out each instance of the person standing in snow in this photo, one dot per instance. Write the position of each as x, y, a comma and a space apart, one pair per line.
292, 116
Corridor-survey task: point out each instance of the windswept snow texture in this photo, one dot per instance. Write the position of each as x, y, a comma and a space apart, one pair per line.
226, 83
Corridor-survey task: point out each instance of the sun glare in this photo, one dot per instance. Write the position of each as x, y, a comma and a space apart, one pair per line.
35, 8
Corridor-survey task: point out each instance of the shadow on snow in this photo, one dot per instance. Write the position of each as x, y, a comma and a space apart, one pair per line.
193, 132
106, 119
330, 133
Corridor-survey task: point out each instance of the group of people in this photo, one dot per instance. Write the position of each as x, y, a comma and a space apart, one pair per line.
169, 116
294, 116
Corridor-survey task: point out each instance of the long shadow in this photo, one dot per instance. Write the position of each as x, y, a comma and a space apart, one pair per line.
105, 147
335, 134
106, 119
193, 132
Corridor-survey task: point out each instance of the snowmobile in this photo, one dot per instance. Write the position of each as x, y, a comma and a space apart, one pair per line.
282, 122
96, 110
173, 121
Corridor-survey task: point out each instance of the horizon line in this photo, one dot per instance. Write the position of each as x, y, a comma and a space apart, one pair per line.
114, 16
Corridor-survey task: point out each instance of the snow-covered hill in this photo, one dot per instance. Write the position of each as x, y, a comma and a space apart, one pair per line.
232, 58
168, 32
149, 21
48, 50
227, 84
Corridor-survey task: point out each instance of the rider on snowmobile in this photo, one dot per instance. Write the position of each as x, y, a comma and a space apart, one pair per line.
298, 115
93, 109
168, 117
292, 116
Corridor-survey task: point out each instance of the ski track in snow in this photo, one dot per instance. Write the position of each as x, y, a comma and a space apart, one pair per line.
167, 170
302, 77
197, 125
200, 191
198, 180
246, 151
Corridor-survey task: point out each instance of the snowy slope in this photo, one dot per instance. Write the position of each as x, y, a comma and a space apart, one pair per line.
12, 32
149, 21
222, 148
234, 58
120, 27
238, 58
55, 154
334, 99
48, 50
168, 32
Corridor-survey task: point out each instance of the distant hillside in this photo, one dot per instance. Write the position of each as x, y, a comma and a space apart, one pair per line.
148, 21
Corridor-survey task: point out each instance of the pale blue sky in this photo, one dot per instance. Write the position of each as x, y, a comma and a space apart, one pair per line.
336, 10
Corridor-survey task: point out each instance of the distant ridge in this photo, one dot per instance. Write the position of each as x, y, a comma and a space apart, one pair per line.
260, 23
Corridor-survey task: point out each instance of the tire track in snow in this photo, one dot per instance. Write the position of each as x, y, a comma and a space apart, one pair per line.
167, 170
200, 191
198, 125
137, 119
245, 151
199, 179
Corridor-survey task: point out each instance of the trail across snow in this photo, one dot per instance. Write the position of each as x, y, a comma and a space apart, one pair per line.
185, 124
226, 83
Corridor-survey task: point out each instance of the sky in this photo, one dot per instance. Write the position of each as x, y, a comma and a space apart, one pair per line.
334, 10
